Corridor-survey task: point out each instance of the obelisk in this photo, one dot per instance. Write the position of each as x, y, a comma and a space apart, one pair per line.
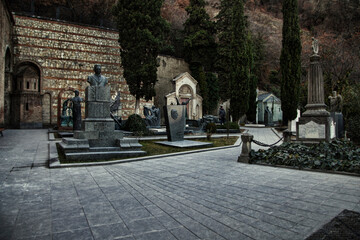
315, 125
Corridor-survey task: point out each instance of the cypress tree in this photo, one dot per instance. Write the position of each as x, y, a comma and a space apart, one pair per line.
290, 62
141, 34
200, 46
240, 62
223, 61
251, 112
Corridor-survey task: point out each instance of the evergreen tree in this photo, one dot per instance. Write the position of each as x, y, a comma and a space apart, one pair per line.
290, 62
141, 35
223, 61
213, 90
200, 46
251, 112
240, 62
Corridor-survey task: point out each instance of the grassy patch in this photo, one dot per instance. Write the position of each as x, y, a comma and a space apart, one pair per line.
151, 148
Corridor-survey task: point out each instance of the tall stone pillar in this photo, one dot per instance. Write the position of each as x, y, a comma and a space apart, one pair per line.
315, 104
315, 125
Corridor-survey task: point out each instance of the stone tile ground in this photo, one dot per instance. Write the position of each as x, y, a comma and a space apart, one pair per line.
199, 196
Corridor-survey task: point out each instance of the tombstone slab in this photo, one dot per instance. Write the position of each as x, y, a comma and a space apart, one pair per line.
175, 122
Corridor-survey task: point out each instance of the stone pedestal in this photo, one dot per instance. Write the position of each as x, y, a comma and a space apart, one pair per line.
246, 139
338, 118
315, 124
98, 137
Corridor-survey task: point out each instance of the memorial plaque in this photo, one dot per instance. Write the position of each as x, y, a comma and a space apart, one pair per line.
312, 130
175, 122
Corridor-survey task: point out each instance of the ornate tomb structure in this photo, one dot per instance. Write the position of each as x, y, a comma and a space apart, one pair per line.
98, 138
315, 125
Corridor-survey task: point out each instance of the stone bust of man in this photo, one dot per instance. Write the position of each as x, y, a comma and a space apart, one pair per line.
97, 79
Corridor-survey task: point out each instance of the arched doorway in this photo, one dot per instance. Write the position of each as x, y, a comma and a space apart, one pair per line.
26, 97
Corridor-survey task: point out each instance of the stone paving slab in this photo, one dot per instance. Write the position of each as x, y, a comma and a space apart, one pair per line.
205, 195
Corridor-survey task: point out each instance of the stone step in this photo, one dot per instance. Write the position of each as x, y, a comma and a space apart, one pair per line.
128, 144
104, 149
92, 156
74, 141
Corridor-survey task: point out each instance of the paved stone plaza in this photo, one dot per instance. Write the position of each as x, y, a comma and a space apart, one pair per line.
205, 195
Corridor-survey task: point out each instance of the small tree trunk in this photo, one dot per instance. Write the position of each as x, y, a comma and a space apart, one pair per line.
137, 106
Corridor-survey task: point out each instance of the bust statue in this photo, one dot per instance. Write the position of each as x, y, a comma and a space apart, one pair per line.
335, 102
97, 79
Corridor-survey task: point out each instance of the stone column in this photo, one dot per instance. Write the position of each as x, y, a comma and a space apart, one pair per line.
315, 105
246, 139
315, 124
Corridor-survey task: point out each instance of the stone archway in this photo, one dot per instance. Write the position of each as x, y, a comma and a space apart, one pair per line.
59, 106
26, 99
186, 94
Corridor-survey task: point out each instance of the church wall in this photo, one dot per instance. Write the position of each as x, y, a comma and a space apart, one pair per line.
6, 22
66, 54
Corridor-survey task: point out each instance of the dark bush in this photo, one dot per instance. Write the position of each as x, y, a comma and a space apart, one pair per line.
136, 125
231, 125
211, 128
338, 155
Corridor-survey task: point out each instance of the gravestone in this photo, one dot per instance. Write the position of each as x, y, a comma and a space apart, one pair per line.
175, 116
315, 124
175, 122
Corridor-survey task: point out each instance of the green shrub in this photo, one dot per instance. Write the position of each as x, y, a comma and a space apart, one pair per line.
338, 155
211, 128
136, 125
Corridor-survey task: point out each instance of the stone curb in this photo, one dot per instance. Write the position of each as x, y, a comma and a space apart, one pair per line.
308, 169
55, 163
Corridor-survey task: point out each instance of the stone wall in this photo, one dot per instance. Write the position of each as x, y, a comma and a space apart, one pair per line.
6, 23
169, 68
66, 53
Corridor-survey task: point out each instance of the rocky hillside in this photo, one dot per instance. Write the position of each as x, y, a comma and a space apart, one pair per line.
335, 22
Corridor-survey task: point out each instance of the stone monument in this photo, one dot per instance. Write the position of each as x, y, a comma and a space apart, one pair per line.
175, 117
336, 103
152, 116
76, 110
315, 125
98, 137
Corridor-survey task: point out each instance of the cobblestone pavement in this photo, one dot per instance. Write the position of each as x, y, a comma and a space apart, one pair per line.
198, 196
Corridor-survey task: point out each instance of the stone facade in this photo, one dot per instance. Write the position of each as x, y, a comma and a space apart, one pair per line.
63, 55
184, 88
6, 55
169, 68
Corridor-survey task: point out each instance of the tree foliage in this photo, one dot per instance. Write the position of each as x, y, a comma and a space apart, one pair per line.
223, 61
241, 61
290, 61
141, 34
200, 47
